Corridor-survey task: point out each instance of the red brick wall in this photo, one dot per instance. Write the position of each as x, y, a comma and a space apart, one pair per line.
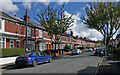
14, 28
45, 35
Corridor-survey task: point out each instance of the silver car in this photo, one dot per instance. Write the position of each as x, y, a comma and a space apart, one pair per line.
76, 51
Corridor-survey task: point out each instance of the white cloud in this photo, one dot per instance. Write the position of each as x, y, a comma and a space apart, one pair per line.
82, 30
27, 4
8, 6
60, 2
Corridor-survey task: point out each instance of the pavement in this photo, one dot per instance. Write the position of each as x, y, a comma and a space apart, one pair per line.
109, 65
7, 60
72, 64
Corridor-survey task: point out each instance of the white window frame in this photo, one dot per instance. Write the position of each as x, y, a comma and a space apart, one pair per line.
11, 43
40, 34
41, 46
3, 42
66, 39
70, 39
29, 31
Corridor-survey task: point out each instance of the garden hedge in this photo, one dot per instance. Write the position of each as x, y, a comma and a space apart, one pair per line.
8, 52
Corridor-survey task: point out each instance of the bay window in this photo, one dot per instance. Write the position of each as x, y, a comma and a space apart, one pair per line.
40, 34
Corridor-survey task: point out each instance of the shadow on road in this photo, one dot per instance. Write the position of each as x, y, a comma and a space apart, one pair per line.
14, 66
87, 71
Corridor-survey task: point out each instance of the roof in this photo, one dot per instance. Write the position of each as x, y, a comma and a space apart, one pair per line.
19, 20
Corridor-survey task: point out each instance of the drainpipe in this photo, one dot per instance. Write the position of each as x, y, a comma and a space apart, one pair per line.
26, 34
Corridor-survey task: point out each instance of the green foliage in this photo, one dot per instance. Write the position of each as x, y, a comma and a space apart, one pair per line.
117, 51
104, 17
47, 52
118, 48
54, 21
6, 52
118, 44
67, 47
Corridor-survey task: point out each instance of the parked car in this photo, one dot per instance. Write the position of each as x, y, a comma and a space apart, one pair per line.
99, 52
76, 51
90, 49
33, 58
93, 49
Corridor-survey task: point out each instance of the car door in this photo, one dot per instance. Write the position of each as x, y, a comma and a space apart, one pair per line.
37, 56
44, 57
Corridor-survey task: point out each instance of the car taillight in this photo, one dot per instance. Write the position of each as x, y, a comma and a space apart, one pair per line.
27, 58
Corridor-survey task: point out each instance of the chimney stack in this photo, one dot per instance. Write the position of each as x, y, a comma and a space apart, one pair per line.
15, 15
26, 16
71, 33
77, 36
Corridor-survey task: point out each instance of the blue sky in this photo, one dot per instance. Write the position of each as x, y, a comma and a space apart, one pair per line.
75, 8
71, 8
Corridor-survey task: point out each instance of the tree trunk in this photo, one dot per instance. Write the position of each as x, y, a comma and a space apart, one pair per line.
55, 51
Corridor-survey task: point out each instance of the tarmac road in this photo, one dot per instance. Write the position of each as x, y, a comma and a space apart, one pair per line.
84, 63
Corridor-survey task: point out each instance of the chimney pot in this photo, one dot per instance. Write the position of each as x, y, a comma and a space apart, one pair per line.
15, 15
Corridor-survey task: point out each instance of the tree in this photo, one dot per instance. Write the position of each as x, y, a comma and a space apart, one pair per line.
104, 17
55, 22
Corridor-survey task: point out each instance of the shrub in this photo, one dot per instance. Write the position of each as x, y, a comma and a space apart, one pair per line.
8, 52
118, 44
117, 51
47, 52
67, 47
81, 48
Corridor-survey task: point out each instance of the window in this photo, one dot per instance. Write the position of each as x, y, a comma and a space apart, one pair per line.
11, 43
41, 46
53, 46
71, 46
61, 46
53, 37
67, 39
70, 39
40, 34
59, 38
47, 46
2, 43
17, 44
29, 31
30, 44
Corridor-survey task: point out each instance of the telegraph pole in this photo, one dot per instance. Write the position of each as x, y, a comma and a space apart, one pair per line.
26, 15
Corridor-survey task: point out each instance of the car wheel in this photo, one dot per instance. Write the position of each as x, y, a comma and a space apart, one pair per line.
50, 59
34, 63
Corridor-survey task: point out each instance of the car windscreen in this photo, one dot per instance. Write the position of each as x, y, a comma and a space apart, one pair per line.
74, 50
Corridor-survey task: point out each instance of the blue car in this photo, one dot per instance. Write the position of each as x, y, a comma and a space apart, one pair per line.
33, 58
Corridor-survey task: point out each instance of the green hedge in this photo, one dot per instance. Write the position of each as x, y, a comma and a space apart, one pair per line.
8, 52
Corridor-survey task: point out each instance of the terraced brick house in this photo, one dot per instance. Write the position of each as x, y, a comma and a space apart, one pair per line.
13, 34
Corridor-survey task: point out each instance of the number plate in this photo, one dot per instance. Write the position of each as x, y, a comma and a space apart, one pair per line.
20, 59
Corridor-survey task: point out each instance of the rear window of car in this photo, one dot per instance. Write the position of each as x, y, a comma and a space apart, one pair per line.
27, 54
36, 54
98, 50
